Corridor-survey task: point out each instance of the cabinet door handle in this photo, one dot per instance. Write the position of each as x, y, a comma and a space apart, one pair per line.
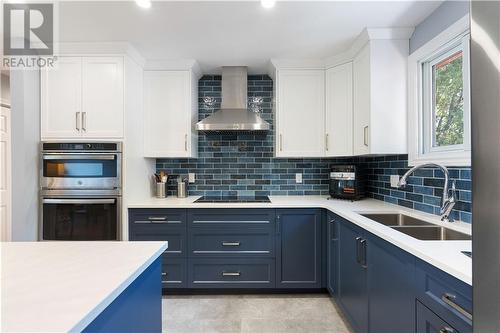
185, 142
358, 250
231, 273
332, 226
326, 141
230, 243
84, 121
278, 224
365, 136
449, 299
78, 121
164, 274
281, 142
446, 330
362, 243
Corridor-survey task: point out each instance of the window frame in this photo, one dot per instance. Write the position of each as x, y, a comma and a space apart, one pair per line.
420, 148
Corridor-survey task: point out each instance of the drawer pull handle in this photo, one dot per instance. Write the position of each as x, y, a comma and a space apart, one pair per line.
446, 330
231, 273
449, 300
230, 243
164, 274
157, 218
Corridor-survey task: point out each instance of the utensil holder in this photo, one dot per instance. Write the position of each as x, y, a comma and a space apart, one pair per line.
182, 189
161, 190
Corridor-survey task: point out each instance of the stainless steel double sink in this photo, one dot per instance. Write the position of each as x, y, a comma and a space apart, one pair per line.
417, 228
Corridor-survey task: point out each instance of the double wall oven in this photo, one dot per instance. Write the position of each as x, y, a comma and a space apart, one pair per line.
80, 191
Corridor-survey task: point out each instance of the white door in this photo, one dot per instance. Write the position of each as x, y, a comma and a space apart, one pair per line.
5, 174
61, 95
339, 116
102, 91
167, 112
301, 113
362, 102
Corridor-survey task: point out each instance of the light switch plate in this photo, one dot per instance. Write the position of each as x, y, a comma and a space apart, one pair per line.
298, 178
394, 180
191, 178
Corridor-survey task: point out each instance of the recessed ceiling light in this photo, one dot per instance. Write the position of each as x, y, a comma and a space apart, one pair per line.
267, 3
143, 3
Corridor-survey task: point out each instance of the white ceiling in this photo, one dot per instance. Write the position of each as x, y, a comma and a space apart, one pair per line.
235, 32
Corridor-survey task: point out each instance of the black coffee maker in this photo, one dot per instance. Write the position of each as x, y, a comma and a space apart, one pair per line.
346, 182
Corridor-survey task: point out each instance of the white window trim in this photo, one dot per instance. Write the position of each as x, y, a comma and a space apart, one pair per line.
416, 153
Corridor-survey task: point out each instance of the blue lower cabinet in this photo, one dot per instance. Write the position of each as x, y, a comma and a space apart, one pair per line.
391, 277
332, 252
234, 273
160, 225
136, 309
231, 242
429, 322
353, 290
445, 295
174, 273
298, 248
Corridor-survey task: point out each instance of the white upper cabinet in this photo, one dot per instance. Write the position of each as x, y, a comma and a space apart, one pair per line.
362, 91
102, 105
83, 98
339, 111
300, 130
380, 97
170, 110
61, 99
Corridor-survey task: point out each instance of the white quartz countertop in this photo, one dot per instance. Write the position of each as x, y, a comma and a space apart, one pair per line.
64, 286
445, 255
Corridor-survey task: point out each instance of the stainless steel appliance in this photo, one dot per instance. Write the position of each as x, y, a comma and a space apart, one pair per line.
233, 115
346, 182
80, 190
485, 120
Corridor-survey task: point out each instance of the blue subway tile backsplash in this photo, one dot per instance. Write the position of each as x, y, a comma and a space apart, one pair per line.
243, 164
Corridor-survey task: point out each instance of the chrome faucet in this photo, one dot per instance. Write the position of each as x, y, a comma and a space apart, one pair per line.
449, 195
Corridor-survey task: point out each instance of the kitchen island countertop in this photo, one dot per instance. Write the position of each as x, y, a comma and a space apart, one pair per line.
63, 286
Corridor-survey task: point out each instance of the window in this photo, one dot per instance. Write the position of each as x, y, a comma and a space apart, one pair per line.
439, 107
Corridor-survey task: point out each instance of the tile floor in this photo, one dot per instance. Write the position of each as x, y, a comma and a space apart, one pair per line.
251, 314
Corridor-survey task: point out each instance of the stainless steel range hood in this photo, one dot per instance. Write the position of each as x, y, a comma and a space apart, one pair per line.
233, 115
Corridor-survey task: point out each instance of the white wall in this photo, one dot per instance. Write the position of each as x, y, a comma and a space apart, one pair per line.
137, 169
25, 111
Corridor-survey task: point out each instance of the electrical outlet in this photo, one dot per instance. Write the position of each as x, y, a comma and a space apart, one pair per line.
191, 177
298, 178
394, 180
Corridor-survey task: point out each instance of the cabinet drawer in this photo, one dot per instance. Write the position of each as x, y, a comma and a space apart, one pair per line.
445, 295
157, 216
429, 322
231, 217
176, 237
231, 273
174, 273
231, 242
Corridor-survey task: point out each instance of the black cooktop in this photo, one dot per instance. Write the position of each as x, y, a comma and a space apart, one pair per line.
237, 199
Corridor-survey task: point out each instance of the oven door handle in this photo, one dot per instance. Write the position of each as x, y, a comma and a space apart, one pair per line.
79, 157
79, 201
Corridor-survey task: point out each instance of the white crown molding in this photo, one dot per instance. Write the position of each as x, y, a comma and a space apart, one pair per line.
298, 63
172, 65
100, 48
368, 34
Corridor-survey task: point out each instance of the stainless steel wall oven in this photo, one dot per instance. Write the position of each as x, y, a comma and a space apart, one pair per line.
80, 190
